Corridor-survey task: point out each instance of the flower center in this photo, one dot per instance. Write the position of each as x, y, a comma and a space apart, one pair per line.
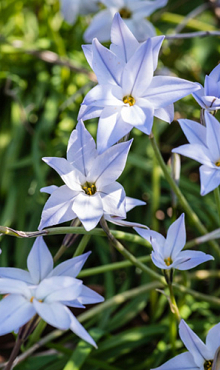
217, 163
32, 298
125, 13
208, 365
88, 188
128, 99
168, 261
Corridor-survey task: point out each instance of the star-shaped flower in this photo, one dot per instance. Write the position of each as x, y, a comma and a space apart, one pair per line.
167, 253
46, 291
199, 356
90, 188
209, 96
204, 147
133, 12
128, 95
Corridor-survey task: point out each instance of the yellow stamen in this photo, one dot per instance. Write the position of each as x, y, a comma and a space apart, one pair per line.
217, 163
208, 365
32, 298
168, 261
89, 189
128, 99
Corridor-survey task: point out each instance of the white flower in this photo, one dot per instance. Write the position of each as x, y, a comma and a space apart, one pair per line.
90, 188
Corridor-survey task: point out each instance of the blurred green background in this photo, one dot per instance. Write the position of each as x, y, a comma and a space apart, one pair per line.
43, 79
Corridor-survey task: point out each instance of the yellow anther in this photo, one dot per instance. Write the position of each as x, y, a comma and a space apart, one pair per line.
89, 189
208, 365
217, 163
128, 99
168, 261
32, 298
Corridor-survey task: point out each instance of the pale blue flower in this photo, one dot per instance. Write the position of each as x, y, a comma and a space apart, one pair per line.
204, 147
46, 291
167, 253
209, 96
128, 95
199, 356
133, 12
72, 8
90, 188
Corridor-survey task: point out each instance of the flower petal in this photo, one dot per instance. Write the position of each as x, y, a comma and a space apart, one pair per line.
100, 26
111, 128
58, 208
193, 343
176, 238
188, 259
194, 131
213, 339
105, 95
109, 165
138, 72
39, 261
71, 267
145, 8
15, 311
149, 234
79, 330
13, 286
198, 152
89, 209
86, 112
106, 65
124, 44
81, 150
49, 189
15, 274
209, 178
184, 361
213, 136
165, 90
58, 288
165, 114
70, 10
55, 314
198, 96
130, 203
70, 175
113, 199
89, 296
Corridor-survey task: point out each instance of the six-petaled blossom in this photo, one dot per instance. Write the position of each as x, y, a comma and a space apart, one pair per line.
204, 147
133, 12
199, 356
128, 94
167, 252
90, 188
45, 291
208, 96
72, 8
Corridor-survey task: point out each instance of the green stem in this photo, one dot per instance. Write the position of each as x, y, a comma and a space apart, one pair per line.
82, 245
182, 200
217, 199
127, 254
173, 304
73, 230
110, 267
